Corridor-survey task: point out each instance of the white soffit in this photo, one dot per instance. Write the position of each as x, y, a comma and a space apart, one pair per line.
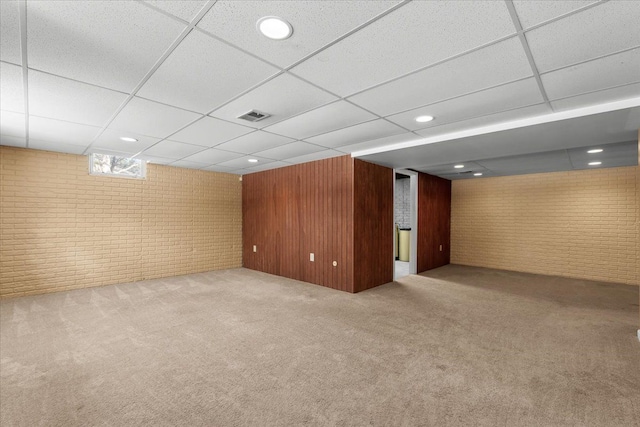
515, 124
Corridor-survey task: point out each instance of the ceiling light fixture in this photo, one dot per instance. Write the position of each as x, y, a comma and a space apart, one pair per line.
477, 174
253, 160
424, 119
594, 163
458, 166
595, 150
128, 139
274, 28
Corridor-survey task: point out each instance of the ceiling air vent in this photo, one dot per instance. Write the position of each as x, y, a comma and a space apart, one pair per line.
254, 116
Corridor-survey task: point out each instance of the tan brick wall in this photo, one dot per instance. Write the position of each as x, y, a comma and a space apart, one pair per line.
62, 228
581, 224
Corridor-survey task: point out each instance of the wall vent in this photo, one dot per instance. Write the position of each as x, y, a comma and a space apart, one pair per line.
254, 116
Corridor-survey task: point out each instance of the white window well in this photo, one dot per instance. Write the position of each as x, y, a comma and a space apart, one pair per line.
112, 165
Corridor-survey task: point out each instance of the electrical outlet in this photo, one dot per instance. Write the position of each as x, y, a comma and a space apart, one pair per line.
255, 248
440, 248
311, 257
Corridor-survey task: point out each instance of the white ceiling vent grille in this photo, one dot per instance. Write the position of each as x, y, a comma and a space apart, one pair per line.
254, 116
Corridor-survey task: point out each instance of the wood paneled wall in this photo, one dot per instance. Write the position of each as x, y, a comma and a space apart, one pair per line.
340, 209
434, 222
291, 212
373, 225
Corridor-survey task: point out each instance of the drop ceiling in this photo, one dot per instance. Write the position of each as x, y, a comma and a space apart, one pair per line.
75, 76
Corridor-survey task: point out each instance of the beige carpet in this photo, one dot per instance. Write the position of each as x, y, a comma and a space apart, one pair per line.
456, 346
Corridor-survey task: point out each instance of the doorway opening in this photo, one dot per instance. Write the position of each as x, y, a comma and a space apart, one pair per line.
405, 212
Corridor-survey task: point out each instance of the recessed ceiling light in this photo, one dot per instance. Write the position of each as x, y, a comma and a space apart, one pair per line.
595, 150
253, 160
274, 28
594, 163
128, 139
424, 119
477, 174
458, 166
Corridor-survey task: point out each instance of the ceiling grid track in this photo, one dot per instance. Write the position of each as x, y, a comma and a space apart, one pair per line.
25, 67
153, 69
527, 50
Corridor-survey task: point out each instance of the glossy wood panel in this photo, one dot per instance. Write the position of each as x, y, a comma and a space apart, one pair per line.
291, 212
434, 222
373, 225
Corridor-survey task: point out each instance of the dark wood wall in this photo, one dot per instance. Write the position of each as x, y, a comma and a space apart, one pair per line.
373, 225
434, 222
291, 212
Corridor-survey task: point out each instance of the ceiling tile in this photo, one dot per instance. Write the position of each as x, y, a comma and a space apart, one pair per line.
110, 44
155, 159
213, 156
614, 70
491, 66
321, 120
188, 164
13, 141
11, 88
295, 149
218, 168
243, 162
57, 131
63, 99
533, 12
110, 140
10, 32
59, 147
12, 124
598, 97
403, 41
357, 133
268, 166
172, 150
209, 132
489, 119
379, 142
314, 24
502, 98
600, 30
254, 142
186, 10
203, 73
282, 97
150, 118
326, 154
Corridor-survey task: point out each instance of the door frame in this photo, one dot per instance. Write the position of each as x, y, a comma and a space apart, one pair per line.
413, 208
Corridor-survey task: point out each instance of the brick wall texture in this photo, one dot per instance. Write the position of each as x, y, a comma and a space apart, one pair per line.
62, 228
581, 224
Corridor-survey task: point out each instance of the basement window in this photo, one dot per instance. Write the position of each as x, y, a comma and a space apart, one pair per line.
111, 165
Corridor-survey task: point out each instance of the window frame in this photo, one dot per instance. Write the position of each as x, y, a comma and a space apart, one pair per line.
143, 167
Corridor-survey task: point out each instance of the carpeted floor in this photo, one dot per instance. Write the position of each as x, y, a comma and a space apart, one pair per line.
454, 346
